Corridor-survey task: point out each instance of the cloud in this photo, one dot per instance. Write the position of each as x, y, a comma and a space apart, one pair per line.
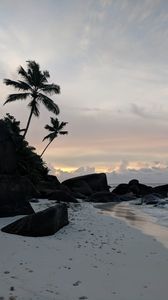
63, 175
155, 172
149, 174
105, 2
153, 113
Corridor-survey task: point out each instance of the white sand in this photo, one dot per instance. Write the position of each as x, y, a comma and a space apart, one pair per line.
96, 257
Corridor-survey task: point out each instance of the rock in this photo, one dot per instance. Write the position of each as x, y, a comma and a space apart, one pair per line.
15, 209
52, 181
79, 195
34, 201
103, 197
62, 196
144, 190
133, 182
128, 197
133, 186
14, 187
8, 161
121, 189
15, 191
64, 188
151, 199
162, 190
139, 189
82, 187
46, 186
88, 184
43, 223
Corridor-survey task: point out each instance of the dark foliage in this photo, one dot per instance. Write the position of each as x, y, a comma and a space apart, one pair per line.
28, 162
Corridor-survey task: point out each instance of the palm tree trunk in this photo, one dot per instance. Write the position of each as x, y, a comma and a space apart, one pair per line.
28, 123
46, 147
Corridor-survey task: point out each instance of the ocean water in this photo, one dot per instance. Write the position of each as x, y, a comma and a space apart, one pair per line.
150, 221
159, 214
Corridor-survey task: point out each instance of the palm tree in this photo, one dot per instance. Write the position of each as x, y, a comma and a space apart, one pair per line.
34, 85
55, 128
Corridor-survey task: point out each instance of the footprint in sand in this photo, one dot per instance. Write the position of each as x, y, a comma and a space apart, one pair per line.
77, 283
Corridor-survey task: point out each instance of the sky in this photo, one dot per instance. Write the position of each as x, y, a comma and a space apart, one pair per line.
110, 59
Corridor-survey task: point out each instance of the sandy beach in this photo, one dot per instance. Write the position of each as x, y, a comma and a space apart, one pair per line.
95, 257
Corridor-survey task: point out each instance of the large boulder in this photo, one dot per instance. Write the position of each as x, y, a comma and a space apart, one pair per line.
134, 187
88, 184
128, 197
46, 186
82, 187
139, 189
161, 189
121, 189
15, 191
43, 223
62, 196
15, 208
16, 187
103, 197
8, 161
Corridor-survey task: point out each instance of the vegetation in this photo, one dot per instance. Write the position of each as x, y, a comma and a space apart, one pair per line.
55, 129
28, 162
34, 85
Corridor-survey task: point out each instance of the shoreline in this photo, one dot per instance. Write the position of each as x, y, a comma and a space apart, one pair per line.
95, 257
137, 218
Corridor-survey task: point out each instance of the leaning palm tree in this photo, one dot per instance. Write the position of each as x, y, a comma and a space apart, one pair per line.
55, 128
34, 85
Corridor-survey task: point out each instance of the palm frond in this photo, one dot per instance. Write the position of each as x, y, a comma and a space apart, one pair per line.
50, 136
34, 105
49, 103
24, 74
51, 89
34, 72
37, 76
14, 97
20, 85
62, 125
46, 74
54, 122
49, 128
63, 132
26, 85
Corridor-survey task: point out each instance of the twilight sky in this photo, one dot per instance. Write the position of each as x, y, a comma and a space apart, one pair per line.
110, 58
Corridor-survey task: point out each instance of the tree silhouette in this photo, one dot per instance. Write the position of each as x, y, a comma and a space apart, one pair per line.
55, 129
34, 85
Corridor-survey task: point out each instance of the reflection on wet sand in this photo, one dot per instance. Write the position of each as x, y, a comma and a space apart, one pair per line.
135, 218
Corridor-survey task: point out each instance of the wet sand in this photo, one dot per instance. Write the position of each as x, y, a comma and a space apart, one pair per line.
137, 219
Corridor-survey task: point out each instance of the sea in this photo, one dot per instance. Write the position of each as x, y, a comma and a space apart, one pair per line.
151, 220
159, 214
